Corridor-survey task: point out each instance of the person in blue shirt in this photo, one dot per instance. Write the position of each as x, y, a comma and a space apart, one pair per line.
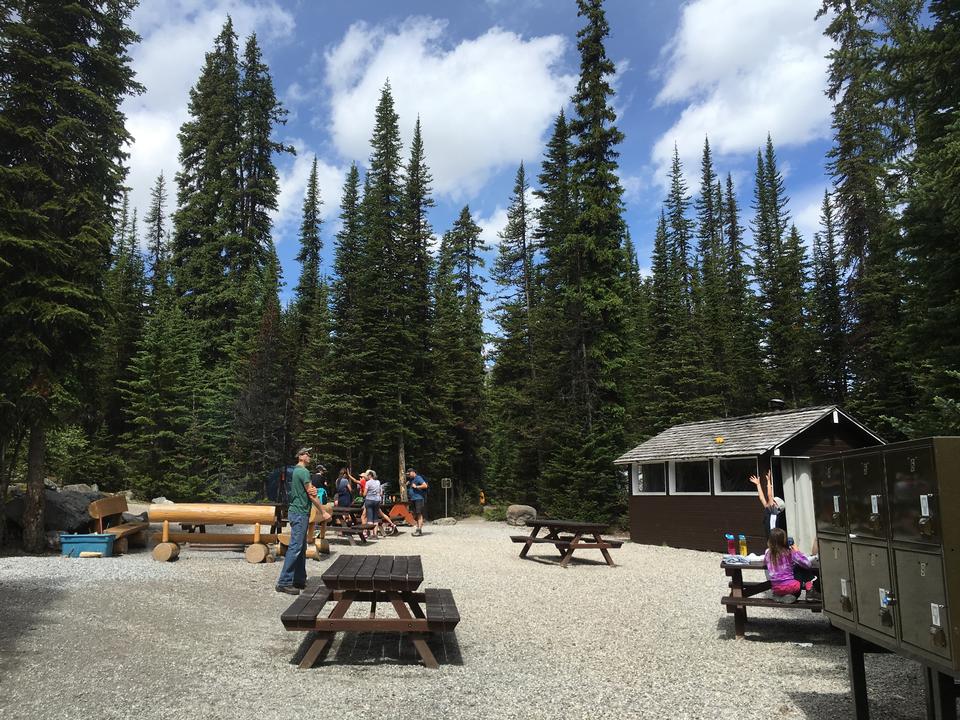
417, 495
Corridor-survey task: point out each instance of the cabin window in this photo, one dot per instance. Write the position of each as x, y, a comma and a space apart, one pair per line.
733, 476
649, 478
691, 477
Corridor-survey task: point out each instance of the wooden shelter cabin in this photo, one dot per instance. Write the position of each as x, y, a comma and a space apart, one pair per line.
690, 484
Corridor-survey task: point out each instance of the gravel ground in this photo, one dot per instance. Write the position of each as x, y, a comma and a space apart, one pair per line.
201, 638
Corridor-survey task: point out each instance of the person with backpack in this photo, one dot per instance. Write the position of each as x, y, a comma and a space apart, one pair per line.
417, 495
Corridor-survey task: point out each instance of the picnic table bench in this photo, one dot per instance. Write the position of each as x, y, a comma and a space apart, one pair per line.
379, 579
108, 513
748, 594
567, 537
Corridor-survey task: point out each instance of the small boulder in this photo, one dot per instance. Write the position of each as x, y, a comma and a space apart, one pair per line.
445, 521
132, 518
162, 501
128, 494
81, 487
519, 514
53, 539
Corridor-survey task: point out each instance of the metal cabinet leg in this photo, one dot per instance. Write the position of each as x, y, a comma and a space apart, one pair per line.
941, 695
858, 676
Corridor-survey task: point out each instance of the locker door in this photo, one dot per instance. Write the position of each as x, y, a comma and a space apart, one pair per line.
873, 587
836, 580
829, 503
863, 481
912, 487
924, 620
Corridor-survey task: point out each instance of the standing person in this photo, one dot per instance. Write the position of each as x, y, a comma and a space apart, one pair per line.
773, 507
293, 577
417, 494
372, 496
319, 481
344, 489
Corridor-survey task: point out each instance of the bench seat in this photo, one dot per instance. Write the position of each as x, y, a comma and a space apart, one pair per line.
441, 610
129, 528
302, 614
585, 543
757, 601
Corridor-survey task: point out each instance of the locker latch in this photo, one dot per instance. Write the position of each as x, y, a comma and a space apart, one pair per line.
875, 512
886, 600
937, 636
925, 523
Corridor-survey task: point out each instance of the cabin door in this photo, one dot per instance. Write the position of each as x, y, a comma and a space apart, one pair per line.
798, 495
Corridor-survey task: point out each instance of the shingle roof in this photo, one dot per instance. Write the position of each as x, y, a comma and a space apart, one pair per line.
745, 435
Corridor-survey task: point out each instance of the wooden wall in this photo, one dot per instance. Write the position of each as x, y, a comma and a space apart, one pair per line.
826, 436
696, 522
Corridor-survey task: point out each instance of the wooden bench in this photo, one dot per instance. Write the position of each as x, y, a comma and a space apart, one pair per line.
749, 594
567, 536
441, 610
564, 541
108, 513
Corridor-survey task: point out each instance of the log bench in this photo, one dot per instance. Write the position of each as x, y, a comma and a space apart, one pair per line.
108, 514
382, 580
749, 594
200, 515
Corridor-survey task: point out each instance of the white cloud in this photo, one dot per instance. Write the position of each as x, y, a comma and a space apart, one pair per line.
492, 225
806, 211
176, 34
484, 104
294, 173
743, 69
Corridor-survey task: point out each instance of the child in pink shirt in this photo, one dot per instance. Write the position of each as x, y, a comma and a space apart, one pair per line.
780, 560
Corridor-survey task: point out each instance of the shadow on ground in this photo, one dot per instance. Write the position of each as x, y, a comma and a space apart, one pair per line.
783, 630
21, 611
816, 706
381, 649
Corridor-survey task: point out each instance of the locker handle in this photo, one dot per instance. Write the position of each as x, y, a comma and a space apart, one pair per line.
937, 636
926, 526
875, 520
836, 518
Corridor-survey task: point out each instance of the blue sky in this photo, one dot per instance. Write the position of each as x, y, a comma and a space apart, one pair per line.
487, 78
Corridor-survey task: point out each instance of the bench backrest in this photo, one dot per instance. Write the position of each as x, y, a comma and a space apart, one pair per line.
108, 506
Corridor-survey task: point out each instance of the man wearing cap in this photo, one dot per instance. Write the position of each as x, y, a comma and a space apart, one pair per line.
417, 495
293, 577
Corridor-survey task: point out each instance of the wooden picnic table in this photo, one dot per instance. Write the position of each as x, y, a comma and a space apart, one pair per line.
380, 580
348, 521
567, 536
744, 594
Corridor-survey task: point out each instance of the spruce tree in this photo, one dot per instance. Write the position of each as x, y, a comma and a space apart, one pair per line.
931, 223
830, 353
590, 262
156, 236
65, 73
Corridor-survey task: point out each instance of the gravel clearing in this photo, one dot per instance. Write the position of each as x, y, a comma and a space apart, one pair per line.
201, 638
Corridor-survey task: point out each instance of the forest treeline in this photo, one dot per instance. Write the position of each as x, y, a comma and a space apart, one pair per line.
155, 353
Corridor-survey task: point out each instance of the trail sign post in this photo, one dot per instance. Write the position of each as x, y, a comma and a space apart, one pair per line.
446, 484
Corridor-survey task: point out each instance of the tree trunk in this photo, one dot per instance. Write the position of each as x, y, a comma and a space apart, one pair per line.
34, 535
8, 463
402, 460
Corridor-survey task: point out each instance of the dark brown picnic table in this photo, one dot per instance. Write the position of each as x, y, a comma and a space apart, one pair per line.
378, 580
744, 594
567, 536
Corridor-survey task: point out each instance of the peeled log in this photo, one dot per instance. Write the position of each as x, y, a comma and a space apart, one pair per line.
256, 553
166, 551
313, 551
214, 514
217, 538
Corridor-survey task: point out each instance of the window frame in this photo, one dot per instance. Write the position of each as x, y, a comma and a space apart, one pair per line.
635, 479
717, 490
672, 484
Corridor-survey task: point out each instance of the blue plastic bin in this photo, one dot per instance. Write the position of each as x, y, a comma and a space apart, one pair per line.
73, 545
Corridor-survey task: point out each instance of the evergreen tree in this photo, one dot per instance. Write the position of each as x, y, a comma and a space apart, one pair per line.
343, 414
864, 123
414, 269
515, 457
157, 237
830, 353
931, 225
65, 73
579, 473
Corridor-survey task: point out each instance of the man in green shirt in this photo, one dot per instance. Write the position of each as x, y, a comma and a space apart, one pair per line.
293, 577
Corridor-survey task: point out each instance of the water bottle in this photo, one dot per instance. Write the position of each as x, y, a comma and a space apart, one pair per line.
743, 544
731, 544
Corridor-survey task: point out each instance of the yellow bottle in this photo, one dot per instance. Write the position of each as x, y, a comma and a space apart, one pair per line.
743, 544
